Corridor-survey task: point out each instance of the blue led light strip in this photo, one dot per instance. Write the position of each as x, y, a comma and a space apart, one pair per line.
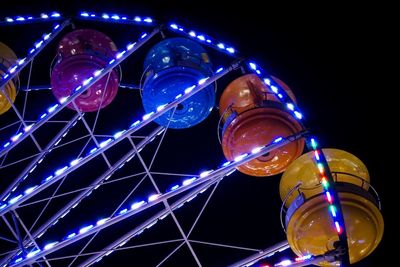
38, 159
139, 206
146, 119
90, 188
204, 39
97, 75
334, 207
44, 17
116, 18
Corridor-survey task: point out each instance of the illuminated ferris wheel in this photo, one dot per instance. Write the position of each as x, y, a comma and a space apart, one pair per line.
104, 114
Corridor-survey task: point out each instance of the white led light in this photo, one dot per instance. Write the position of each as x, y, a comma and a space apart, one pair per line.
153, 197
202, 81
188, 90
290, 106
178, 96
137, 205
192, 33
44, 16
55, 15
93, 150
87, 81
78, 88
201, 37
9, 19
33, 253
253, 66
60, 171
278, 139
56, 27
116, 17
267, 81
84, 14
118, 134
205, 173
280, 95
148, 20
123, 211
120, 54
240, 157
102, 221
30, 190
256, 150
20, 19
130, 46
284, 263
14, 199
143, 35
12, 70
16, 137
147, 116
226, 164
105, 16
104, 143
18, 260
39, 44
231, 50
3, 206
50, 245
188, 181
159, 108
221, 46
97, 72
298, 115
85, 229
71, 235
137, 19
151, 224
174, 26
32, 50
49, 178
208, 41
219, 70
74, 162
65, 214
47, 36
27, 128
51, 109
174, 187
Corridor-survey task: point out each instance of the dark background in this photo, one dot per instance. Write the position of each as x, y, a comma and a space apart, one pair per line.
331, 57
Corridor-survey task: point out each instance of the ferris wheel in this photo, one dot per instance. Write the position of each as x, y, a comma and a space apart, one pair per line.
78, 146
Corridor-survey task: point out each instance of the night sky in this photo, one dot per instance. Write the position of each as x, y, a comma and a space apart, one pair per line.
330, 58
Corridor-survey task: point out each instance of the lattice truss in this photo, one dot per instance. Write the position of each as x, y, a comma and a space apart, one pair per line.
115, 170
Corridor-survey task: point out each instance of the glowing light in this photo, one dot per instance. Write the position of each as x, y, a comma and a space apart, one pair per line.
49, 178
148, 20
320, 168
174, 187
192, 33
240, 157
231, 50
333, 210
338, 228
205, 173
120, 54
178, 96
130, 46
6, 144
325, 183
123, 211
87, 81
105, 16
93, 150
9, 19
97, 73
20, 19
3, 206
143, 35
44, 16
256, 150
135, 123
316, 153
253, 66
159, 108
284, 263
104, 143
202, 81
85, 229
277, 140
118, 134
137, 205
219, 70
101, 221
116, 17
174, 26
32, 50
71, 235
137, 19
221, 46
147, 116
153, 197
298, 115
188, 90
314, 143
280, 95
74, 162
12, 70
55, 15
302, 258
33, 253
60, 171
188, 181
208, 41
328, 196
51, 109
56, 27
290, 106
50, 245
78, 88
201, 37
21, 61
47, 36
16, 137
84, 14
14, 200
226, 164
30, 190
18, 260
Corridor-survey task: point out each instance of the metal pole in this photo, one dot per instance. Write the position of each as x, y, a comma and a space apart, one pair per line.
111, 221
122, 135
39, 157
268, 252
